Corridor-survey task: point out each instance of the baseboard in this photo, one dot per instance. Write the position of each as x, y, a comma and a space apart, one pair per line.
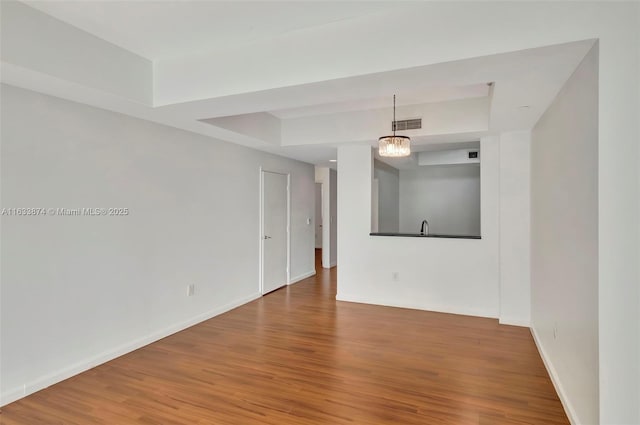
12, 395
434, 308
514, 322
43, 382
301, 277
331, 264
568, 408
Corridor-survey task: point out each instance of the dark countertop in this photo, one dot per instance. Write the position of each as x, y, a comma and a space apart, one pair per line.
418, 235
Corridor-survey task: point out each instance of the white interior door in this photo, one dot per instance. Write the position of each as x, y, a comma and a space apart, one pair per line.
275, 234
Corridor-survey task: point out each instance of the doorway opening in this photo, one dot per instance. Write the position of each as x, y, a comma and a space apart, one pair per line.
318, 218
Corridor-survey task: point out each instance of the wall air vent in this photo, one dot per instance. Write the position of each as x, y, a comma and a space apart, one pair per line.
400, 125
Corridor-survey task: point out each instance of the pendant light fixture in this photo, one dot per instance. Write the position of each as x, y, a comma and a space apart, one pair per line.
394, 146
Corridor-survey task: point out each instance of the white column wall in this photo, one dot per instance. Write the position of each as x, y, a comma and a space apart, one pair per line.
449, 275
515, 240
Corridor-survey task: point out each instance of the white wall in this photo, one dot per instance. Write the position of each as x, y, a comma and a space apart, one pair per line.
77, 291
388, 197
71, 54
564, 241
515, 240
431, 275
619, 215
447, 196
448, 157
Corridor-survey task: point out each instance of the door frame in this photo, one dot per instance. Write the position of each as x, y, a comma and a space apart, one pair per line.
261, 228
319, 220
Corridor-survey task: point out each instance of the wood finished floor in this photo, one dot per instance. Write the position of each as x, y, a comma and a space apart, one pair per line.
296, 356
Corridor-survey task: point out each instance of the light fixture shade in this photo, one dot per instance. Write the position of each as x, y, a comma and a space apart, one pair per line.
394, 146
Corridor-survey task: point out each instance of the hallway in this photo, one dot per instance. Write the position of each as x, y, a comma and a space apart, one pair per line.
296, 356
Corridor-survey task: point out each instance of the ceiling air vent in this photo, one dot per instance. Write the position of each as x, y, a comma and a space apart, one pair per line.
400, 125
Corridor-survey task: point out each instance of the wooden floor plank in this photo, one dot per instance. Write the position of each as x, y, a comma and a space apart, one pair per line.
296, 356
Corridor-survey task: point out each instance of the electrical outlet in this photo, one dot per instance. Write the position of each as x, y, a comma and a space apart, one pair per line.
395, 276
191, 289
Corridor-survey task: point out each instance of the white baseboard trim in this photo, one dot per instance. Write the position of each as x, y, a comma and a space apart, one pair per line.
434, 308
514, 322
568, 407
333, 264
43, 382
301, 277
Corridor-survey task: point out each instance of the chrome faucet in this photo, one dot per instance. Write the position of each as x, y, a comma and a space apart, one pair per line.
424, 228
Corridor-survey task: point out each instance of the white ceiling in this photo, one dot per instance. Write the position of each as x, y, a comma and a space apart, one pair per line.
405, 96
169, 29
159, 30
